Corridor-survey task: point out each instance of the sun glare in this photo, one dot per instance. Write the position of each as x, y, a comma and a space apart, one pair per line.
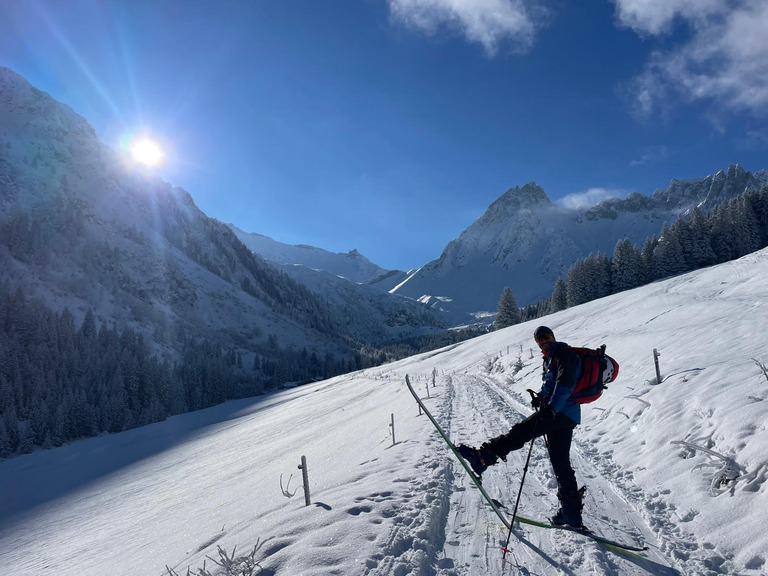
147, 152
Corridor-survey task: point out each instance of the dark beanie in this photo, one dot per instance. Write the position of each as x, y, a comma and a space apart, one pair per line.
541, 330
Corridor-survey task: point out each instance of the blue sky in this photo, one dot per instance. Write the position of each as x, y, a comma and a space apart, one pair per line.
389, 126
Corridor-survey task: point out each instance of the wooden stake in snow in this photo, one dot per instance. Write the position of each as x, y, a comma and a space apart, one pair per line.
656, 355
305, 478
392, 425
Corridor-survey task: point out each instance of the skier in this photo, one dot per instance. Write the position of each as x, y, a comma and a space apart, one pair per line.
556, 417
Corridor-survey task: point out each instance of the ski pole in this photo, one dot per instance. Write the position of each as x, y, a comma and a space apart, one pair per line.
520, 491
534, 395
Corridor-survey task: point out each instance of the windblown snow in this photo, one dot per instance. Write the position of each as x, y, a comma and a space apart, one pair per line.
679, 464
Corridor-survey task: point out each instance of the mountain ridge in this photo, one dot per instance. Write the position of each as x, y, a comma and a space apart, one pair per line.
81, 228
525, 241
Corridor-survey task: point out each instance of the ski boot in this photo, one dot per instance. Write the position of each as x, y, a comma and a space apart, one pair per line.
478, 458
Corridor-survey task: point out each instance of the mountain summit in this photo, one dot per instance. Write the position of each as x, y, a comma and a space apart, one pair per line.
524, 241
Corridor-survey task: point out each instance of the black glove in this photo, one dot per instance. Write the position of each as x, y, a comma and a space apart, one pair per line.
536, 399
546, 412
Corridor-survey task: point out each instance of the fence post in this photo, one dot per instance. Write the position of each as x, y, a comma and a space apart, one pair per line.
434, 375
305, 478
427, 387
393, 429
656, 355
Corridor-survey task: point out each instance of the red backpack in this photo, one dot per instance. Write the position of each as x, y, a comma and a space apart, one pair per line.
597, 370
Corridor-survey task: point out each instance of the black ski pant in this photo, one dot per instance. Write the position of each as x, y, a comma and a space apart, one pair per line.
559, 431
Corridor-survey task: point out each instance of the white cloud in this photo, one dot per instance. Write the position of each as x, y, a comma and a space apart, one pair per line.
725, 59
656, 16
650, 155
489, 23
581, 200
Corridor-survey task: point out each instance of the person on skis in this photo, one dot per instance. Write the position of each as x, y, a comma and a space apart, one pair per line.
556, 417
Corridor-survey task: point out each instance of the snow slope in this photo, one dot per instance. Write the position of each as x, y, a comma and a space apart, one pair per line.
353, 266
170, 493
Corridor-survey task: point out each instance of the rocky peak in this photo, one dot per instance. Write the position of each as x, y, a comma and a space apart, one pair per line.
711, 190
513, 201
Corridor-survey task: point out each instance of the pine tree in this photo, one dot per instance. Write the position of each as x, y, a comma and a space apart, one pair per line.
508, 312
626, 266
601, 278
723, 234
577, 284
5, 447
649, 266
558, 301
668, 255
701, 246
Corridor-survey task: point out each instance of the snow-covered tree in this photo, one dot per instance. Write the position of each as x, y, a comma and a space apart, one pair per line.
577, 284
646, 254
668, 255
559, 299
508, 312
626, 266
701, 252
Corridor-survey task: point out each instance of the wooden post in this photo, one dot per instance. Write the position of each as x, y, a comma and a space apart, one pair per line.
305, 478
393, 429
434, 375
427, 387
656, 355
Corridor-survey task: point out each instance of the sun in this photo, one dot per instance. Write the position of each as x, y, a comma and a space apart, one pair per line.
147, 152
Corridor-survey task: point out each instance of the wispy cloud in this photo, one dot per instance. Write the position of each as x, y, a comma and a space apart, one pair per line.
724, 60
650, 155
490, 23
580, 200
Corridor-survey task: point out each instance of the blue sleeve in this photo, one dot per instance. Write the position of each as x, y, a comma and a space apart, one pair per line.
559, 388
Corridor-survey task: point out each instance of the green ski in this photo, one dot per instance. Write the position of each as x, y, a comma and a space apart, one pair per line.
495, 506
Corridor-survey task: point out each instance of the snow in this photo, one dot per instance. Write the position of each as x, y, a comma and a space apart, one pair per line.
172, 492
353, 266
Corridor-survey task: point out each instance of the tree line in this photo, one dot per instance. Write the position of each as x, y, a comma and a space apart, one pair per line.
695, 240
60, 381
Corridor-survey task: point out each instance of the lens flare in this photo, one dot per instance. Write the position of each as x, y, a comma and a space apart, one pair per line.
147, 152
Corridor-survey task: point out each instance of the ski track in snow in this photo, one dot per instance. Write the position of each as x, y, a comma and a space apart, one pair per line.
482, 409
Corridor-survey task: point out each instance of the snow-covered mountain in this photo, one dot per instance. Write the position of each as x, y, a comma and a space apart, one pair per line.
525, 241
353, 266
352, 283
679, 464
82, 228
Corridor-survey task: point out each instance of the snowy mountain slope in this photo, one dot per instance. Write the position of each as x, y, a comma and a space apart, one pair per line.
352, 284
525, 242
81, 228
680, 464
371, 314
353, 266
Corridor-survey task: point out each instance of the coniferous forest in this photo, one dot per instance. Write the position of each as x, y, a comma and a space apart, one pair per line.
60, 381
697, 239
